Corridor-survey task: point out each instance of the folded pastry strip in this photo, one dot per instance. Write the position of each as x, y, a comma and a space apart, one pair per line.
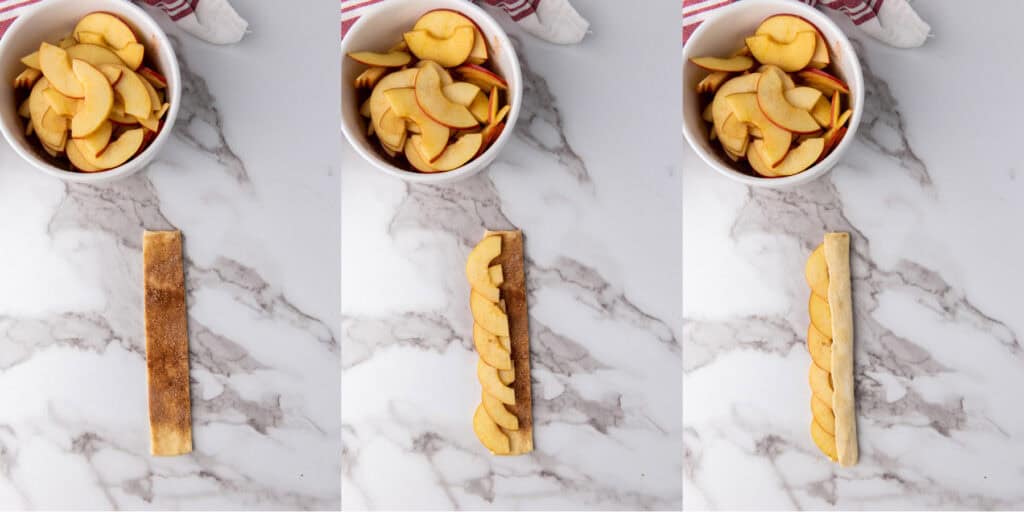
830, 343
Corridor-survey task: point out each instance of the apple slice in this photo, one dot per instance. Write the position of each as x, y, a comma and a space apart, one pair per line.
78, 160
93, 54
804, 98
434, 135
823, 81
489, 433
480, 108
99, 100
507, 376
392, 132
791, 56
32, 61
497, 411
821, 316
481, 77
446, 77
89, 38
833, 114
801, 157
379, 103
488, 314
115, 31
118, 117
820, 348
771, 99
490, 349
382, 60
787, 81
441, 23
27, 78
728, 65
492, 105
24, 109
821, 384
842, 119
94, 143
156, 79
491, 383
117, 152
712, 82
154, 97
61, 104
825, 441
131, 91
816, 272
822, 112
720, 108
450, 52
56, 66
775, 142
823, 415
132, 55
785, 27
462, 93
53, 131
433, 102
415, 159
734, 129
458, 154
477, 265
490, 134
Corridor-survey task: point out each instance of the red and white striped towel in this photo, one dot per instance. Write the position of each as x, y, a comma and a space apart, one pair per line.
214, 21
893, 22
555, 21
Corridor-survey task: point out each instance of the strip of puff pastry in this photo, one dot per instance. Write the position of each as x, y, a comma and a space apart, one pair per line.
170, 407
837, 257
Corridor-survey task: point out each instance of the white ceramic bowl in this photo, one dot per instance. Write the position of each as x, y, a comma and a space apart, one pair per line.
725, 31
53, 19
379, 29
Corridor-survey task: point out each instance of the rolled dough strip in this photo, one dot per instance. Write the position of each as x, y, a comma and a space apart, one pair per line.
170, 407
513, 291
837, 257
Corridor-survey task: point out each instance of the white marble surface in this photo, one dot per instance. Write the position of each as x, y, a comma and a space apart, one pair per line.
931, 193
251, 178
591, 177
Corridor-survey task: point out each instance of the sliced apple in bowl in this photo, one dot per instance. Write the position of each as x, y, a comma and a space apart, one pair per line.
449, 52
729, 65
99, 100
383, 60
772, 101
791, 56
775, 141
434, 135
434, 103
441, 23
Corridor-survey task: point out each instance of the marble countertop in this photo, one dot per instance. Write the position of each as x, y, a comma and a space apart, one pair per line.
601, 219
255, 192
931, 194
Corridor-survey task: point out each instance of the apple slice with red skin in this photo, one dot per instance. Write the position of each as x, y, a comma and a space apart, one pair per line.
772, 100
834, 110
480, 108
117, 152
441, 23
822, 112
775, 141
481, 77
720, 108
414, 157
832, 139
797, 160
77, 160
492, 105
804, 98
791, 56
729, 65
450, 52
114, 30
734, 130
433, 102
56, 66
434, 135
787, 81
93, 54
457, 154
462, 93
712, 82
785, 27
381, 60
822, 81
491, 134
131, 90
155, 79
446, 77
99, 99
97, 141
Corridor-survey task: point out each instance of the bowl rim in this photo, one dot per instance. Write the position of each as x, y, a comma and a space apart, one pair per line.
139, 20
855, 82
512, 76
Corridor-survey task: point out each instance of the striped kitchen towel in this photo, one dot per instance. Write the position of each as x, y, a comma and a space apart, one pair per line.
555, 21
893, 22
214, 21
